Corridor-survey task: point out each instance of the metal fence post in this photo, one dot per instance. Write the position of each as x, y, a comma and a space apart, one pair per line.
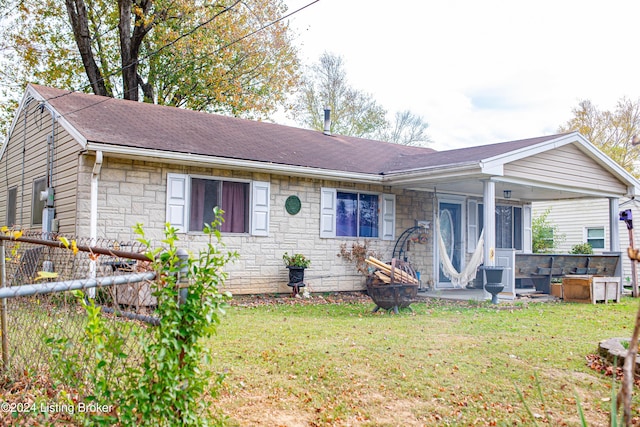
3, 310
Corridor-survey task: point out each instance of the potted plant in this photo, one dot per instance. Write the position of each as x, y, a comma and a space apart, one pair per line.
296, 263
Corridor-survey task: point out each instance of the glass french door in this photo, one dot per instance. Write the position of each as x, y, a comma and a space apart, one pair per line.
451, 231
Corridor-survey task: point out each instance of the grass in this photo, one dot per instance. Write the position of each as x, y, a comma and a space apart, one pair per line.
442, 364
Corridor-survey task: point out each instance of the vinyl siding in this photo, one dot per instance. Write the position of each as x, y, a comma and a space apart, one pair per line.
66, 181
20, 170
572, 218
566, 166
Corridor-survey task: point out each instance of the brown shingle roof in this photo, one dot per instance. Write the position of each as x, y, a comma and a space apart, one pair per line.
148, 126
466, 155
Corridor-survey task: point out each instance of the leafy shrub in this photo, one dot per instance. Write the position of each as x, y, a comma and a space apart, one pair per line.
582, 248
168, 386
545, 235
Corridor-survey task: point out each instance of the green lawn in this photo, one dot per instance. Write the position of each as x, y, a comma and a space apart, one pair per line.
442, 364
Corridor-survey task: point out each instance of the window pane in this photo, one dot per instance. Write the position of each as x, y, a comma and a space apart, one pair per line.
205, 195
480, 218
368, 215
347, 215
595, 233
595, 237
546, 233
37, 205
504, 227
12, 202
235, 204
517, 228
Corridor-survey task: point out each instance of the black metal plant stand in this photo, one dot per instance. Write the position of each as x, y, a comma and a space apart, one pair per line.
296, 279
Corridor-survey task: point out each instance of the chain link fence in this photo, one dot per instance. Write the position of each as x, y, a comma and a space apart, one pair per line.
43, 321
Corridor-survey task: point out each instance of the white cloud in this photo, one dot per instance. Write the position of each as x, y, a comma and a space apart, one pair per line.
480, 72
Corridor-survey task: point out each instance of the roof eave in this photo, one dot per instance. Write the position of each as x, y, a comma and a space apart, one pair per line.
433, 173
569, 138
75, 133
231, 163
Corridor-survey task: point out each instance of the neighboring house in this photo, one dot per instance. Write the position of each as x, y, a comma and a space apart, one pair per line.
102, 165
587, 221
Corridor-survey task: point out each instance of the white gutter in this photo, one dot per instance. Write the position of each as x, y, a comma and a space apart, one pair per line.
433, 174
243, 164
93, 216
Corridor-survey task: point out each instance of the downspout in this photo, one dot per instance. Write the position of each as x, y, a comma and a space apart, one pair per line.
614, 243
95, 177
614, 231
93, 216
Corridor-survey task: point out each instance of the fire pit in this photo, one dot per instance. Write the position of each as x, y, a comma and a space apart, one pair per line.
392, 286
391, 296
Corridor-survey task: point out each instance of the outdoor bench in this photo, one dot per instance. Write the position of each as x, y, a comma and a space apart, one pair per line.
541, 269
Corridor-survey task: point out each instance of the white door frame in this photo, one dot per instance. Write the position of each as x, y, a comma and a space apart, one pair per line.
452, 199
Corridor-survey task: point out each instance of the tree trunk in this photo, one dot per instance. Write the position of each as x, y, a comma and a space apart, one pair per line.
130, 43
147, 90
77, 11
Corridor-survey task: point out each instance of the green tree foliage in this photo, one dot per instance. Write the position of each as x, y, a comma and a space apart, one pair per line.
546, 237
226, 56
610, 131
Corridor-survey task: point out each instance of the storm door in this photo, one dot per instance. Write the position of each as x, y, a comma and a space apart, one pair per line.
450, 213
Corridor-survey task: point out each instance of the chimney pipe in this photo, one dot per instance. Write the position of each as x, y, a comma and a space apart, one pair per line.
327, 121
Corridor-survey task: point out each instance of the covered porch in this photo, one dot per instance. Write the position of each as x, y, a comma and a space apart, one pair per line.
491, 188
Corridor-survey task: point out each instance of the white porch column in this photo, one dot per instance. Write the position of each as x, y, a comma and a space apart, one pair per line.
489, 201
614, 221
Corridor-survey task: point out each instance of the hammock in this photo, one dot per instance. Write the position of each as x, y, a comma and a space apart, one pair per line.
460, 279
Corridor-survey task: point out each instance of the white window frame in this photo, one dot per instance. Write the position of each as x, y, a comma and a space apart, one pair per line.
12, 207
179, 203
604, 237
472, 225
473, 220
329, 203
37, 203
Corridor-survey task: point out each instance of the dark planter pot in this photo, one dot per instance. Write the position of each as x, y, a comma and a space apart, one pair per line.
391, 296
296, 278
493, 281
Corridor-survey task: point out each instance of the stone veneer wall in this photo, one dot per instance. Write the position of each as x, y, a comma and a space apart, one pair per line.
135, 191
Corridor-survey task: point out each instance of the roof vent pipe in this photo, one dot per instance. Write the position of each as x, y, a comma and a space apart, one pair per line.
327, 121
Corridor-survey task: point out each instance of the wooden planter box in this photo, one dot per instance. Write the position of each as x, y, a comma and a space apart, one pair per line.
556, 290
588, 288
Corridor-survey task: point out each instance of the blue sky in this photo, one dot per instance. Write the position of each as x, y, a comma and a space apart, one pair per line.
480, 72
